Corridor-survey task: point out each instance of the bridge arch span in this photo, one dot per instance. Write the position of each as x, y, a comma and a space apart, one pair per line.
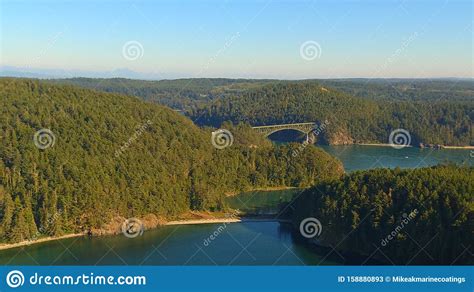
304, 128
284, 129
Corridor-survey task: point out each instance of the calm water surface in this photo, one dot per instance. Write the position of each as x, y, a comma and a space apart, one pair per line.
247, 243
358, 157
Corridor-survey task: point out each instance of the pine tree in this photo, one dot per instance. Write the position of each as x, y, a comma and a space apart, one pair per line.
19, 230
7, 208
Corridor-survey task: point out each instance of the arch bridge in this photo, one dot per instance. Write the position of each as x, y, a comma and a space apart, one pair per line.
266, 131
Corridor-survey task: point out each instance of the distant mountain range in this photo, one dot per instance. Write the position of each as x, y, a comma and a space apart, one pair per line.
45, 73
41, 73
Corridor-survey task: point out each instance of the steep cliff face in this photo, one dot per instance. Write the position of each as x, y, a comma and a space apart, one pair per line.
337, 137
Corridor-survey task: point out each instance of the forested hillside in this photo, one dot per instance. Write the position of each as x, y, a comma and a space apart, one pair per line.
180, 94
406, 89
188, 93
360, 110
352, 119
114, 155
431, 208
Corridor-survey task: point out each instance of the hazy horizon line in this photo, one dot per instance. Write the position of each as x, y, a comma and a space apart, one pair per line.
125, 73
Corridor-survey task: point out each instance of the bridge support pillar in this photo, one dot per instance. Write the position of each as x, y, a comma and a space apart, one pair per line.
311, 137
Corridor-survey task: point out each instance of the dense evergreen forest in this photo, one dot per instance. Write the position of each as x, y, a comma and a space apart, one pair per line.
431, 208
114, 155
360, 110
352, 119
180, 94
405, 89
185, 94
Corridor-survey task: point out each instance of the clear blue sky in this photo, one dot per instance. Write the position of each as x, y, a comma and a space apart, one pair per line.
259, 39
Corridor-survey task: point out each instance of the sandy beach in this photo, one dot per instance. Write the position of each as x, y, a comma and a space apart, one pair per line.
377, 144
45, 239
458, 147
222, 220
174, 222
204, 221
442, 146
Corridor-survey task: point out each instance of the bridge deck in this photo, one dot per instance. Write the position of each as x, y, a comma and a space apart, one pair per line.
283, 125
